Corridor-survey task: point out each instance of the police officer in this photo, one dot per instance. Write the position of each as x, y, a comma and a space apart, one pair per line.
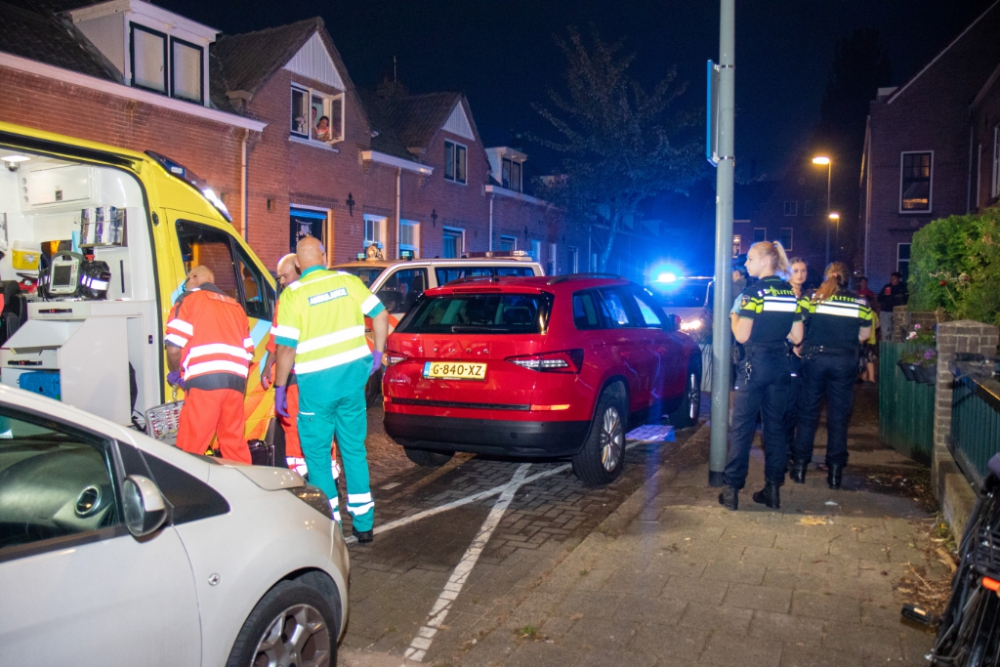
798, 274
321, 331
769, 313
837, 322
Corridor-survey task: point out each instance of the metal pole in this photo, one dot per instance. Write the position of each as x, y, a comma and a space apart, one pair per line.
829, 170
722, 369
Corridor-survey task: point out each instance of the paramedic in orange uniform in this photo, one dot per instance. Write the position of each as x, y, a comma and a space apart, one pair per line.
288, 273
208, 336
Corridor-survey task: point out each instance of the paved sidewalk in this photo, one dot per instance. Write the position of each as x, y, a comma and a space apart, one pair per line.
674, 579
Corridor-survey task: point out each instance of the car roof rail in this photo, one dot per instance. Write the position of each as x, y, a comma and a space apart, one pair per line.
577, 276
473, 279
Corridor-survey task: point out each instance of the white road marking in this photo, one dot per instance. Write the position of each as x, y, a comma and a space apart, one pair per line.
496, 490
422, 642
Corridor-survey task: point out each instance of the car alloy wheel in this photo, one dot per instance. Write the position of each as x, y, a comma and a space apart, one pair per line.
297, 636
694, 397
612, 439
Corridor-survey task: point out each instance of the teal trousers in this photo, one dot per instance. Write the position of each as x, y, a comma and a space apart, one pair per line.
332, 405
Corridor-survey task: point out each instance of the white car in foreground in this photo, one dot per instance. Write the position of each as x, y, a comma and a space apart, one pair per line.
116, 549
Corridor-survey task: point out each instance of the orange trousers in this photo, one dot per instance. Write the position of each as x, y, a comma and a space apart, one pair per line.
290, 425
214, 412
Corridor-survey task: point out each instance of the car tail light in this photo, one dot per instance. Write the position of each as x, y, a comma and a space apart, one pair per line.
565, 361
393, 358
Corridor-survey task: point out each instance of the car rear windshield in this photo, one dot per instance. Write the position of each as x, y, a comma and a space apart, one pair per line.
479, 314
446, 274
368, 274
684, 295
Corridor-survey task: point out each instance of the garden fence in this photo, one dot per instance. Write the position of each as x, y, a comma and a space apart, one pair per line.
905, 408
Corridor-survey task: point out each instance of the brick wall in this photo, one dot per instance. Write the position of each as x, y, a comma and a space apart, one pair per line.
932, 114
950, 486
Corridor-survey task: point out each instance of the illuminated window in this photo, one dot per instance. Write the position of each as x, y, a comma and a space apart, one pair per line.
915, 182
317, 116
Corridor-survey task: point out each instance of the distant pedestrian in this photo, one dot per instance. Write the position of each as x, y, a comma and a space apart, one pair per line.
869, 349
838, 321
893, 294
769, 313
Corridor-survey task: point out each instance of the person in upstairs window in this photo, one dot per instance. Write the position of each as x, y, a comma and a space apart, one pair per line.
323, 132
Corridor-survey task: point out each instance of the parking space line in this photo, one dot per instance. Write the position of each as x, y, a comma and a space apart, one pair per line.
425, 636
476, 497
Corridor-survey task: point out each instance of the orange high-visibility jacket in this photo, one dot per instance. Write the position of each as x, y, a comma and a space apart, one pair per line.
213, 332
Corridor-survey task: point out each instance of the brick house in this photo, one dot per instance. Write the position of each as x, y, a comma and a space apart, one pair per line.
104, 73
925, 146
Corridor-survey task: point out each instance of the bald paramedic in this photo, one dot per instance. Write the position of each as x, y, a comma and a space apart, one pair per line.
209, 350
321, 336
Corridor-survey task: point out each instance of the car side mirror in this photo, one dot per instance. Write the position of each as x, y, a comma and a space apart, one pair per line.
145, 507
672, 323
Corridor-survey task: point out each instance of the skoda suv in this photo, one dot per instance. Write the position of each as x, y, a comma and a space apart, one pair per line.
537, 367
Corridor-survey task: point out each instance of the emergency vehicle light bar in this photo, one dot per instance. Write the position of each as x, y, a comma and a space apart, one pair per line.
178, 170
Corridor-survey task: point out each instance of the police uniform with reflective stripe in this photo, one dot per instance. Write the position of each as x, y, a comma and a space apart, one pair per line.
762, 378
322, 318
829, 368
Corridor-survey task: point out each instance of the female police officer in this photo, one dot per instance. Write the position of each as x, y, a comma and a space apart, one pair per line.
768, 314
837, 321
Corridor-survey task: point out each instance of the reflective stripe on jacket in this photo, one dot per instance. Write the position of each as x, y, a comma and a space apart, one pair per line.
322, 316
213, 333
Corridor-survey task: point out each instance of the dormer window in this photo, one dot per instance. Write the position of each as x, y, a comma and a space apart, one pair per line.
511, 175
154, 64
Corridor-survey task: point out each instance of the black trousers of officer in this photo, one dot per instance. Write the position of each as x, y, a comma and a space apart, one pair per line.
791, 418
765, 391
829, 374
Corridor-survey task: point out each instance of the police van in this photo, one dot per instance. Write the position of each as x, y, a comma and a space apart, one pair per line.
95, 245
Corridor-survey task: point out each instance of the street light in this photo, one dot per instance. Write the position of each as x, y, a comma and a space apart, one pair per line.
834, 218
823, 159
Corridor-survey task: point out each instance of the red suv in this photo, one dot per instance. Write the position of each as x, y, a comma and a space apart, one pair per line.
537, 367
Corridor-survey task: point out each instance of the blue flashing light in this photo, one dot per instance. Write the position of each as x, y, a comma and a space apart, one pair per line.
666, 277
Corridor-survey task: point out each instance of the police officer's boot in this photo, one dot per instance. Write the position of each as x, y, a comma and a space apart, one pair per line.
729, 498
769, 496
834, 474
798, 473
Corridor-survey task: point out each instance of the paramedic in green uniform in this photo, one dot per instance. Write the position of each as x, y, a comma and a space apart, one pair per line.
321, 332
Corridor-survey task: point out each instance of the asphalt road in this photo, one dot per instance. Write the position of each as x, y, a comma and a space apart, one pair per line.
457, 547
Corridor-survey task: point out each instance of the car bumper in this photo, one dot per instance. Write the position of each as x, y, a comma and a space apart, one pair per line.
487, 436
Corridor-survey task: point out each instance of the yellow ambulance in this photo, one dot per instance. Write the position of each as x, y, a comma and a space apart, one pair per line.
96, 243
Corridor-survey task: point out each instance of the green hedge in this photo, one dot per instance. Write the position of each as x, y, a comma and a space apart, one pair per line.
955, 265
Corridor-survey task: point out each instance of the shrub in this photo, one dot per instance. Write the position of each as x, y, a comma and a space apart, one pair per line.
956, 266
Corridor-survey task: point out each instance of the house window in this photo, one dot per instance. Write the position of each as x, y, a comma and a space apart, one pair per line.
759, 234
508, 243
511, 175
454, 162
785, 237
149, 59
536, 250
737, 245
409, 237
316, 115
187, 71
306, 222
808, 207
454, 243
791, 208
374, 231
551, 265
903, 260
915, 182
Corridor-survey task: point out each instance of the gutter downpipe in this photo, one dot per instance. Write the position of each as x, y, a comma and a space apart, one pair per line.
399, 208
243, 187
490, 248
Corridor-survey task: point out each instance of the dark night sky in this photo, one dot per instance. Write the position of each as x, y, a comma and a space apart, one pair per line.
502, 55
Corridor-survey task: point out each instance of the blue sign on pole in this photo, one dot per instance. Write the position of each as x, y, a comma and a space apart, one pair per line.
712, 109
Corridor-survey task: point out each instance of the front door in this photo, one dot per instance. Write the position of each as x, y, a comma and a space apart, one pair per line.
77, 588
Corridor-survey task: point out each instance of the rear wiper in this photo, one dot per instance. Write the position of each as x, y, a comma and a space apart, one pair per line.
473, 328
